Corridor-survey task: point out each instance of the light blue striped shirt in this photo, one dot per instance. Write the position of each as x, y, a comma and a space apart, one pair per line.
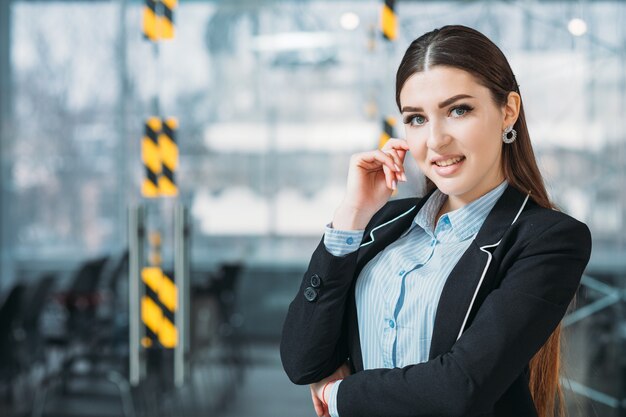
397, 292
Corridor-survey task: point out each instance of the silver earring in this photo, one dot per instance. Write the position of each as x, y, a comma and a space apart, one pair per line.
505, 135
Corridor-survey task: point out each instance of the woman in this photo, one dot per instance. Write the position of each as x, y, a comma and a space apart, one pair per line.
449, 304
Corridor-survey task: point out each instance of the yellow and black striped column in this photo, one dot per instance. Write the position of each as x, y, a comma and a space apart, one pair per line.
151, 157
151, 20
166, 20
169, 157
158, 307
150, 311
168, 298
388, 124
389, 20
158, 19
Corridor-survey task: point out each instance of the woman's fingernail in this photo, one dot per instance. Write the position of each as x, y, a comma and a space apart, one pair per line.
403, 176
397, 167
393, 185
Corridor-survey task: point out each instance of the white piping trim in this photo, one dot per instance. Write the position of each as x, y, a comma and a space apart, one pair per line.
385, 224
521, 208
482, 277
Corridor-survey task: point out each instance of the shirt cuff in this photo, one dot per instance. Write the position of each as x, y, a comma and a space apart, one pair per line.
342, 242
332, 400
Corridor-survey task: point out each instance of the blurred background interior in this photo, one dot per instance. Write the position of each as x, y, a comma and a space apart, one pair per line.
119, 300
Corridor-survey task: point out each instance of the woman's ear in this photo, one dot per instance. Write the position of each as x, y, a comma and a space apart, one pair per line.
511, 109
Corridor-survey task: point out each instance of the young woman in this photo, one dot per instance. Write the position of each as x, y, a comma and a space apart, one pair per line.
449, 304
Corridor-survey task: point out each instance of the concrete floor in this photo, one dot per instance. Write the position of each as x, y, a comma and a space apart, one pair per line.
267, 392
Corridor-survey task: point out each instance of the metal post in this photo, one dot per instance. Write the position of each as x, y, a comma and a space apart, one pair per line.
5, 60
125, 148
136, 238
6, 270
181, 274
621, 242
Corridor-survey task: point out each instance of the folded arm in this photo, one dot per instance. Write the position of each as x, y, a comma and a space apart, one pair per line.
313, 343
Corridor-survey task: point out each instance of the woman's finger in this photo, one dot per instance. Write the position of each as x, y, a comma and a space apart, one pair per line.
399, 162
399, 146
374, 159
398, 173
317, 404
390, 177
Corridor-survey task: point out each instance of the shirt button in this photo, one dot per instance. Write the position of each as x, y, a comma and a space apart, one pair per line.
401, 272
392, 324
349, 241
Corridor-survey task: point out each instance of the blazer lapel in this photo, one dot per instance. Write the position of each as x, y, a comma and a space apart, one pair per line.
457, 300
389, 229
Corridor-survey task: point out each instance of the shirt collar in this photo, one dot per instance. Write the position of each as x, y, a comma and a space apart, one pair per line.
465, 221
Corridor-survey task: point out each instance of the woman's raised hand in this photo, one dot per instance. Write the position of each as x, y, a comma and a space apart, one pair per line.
372, 177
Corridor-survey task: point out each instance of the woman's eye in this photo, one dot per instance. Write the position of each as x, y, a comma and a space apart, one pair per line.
418, 120
464, 109
415, 120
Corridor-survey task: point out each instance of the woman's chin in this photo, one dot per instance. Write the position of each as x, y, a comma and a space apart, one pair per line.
449, 186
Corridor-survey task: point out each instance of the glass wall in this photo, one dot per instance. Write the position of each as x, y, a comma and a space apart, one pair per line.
272, 98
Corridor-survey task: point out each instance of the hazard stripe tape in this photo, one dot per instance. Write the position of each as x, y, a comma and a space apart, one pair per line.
156, 298
387, 132
151, 314
389, 21
169, 157
167, 19
168, 294
161, 286
158, 307
150, 21
158, 19
150, 155
168, 334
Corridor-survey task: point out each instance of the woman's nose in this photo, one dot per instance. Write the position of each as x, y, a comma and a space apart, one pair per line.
437, 136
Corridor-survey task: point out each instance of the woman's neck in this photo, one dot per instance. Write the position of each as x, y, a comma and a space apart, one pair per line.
451, 204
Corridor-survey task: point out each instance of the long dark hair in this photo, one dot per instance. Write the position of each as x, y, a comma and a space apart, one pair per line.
467, 49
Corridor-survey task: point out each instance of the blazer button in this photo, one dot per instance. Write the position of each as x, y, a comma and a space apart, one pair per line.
316, 281
310, 294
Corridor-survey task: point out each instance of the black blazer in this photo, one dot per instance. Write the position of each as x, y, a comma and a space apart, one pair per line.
499, 305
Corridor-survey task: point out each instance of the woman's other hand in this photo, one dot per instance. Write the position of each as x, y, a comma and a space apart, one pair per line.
317, 388
372, 177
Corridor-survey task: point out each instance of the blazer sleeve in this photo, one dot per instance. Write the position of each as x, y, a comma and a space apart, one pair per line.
314, 335
510, 326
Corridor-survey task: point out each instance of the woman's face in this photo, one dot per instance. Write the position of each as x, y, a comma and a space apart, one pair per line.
451, 119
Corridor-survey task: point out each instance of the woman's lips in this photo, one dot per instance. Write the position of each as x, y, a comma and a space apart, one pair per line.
448, 170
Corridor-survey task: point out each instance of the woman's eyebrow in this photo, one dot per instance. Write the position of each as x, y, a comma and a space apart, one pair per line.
441, 105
